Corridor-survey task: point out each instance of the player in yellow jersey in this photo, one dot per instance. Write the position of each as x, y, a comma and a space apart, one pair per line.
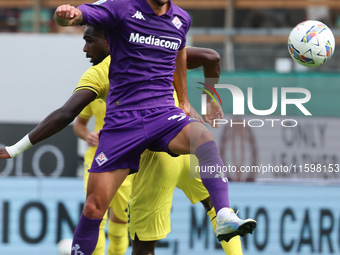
97, 49
145, 226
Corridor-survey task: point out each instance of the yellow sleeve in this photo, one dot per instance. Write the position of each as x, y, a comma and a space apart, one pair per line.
86, 113
96, 79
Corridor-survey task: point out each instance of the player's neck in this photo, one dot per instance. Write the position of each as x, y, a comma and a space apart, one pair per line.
157, 8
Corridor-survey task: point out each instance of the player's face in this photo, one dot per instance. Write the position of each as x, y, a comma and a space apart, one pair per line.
96, 46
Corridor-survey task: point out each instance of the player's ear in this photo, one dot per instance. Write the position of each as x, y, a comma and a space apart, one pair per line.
107, 45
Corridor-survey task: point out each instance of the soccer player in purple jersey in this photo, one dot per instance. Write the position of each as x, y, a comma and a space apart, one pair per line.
147, 41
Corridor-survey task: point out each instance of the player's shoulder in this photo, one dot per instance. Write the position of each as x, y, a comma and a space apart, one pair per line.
100, 69
125, 3
105, 63
118, 7
180, 12
181, 19
113, 2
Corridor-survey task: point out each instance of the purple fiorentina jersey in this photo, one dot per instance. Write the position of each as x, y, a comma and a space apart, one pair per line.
143, 48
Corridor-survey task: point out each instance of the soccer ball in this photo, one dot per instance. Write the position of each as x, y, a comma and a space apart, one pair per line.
64, 247
311, 43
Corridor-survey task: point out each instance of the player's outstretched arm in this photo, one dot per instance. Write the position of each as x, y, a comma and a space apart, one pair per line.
67, 15
52, 124
4, 154
210, 60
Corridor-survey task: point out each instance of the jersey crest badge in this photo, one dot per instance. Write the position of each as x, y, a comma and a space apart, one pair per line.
101, 159
176, 21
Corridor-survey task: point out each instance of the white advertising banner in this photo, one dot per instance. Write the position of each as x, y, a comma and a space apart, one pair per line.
38, 73
35, 213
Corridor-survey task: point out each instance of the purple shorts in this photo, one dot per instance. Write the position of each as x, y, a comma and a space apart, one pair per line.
127, 134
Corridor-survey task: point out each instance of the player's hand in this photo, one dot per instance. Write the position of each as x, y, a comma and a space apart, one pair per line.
4, 154
186, 107
195, 115
67, 15
214, 111
190, 111
92, 139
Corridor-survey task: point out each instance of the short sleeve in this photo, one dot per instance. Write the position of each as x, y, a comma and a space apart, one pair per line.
104, 13
86, 113
96, 79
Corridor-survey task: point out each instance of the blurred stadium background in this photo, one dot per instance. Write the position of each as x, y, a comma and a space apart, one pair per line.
41, 191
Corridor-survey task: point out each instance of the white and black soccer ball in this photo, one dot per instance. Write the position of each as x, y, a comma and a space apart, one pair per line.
65, 247
311, 43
